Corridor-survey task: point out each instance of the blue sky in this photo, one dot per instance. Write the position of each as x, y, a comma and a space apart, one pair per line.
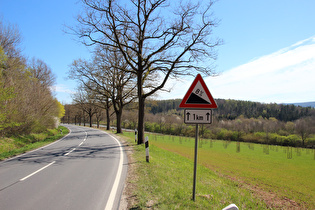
257, 35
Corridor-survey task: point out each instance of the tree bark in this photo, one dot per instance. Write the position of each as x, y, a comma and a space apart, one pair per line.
141, 99
118, 119
107, 115
141, 121
90, 115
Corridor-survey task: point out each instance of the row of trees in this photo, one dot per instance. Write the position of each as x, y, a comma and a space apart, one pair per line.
103, 84
140, 44
26, 101
300, 132
231, 109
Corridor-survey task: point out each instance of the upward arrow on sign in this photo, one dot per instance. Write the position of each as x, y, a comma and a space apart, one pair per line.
198, 96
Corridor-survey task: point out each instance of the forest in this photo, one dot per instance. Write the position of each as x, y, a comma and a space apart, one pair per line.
27, 104
231, 109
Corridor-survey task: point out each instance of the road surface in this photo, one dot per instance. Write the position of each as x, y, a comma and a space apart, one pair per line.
84, 170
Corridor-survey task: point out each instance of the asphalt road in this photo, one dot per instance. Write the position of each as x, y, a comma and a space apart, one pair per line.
84, 170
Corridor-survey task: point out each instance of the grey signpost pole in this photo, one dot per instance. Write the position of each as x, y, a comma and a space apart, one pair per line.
198, 100
195, 164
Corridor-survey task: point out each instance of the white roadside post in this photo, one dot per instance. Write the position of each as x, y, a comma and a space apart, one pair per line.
147, 149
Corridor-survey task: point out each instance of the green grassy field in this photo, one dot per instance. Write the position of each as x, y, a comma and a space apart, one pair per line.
166, 183
287, 173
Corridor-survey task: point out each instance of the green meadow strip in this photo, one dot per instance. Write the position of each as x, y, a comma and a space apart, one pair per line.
166, 183
286, 172
13, 146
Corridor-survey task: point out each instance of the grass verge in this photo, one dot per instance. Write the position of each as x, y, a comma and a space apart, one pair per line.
267, 170
13, 146
166, 183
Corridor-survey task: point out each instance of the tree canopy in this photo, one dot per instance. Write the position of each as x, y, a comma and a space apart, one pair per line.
158, 39
26, 100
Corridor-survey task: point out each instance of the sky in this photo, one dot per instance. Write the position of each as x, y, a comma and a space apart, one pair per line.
268, 53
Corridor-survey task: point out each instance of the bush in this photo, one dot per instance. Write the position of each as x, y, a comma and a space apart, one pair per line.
148, 127
251, 137
221, 135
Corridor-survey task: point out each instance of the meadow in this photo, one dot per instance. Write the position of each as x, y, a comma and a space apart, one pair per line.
273, 173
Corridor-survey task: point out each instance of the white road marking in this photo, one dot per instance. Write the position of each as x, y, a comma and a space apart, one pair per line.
32, 174
70, 152
85, 136
111, 199
37, 171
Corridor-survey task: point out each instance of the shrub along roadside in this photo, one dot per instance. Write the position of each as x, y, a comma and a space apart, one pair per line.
13, 146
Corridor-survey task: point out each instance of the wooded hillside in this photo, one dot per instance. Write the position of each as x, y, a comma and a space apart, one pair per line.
231, 109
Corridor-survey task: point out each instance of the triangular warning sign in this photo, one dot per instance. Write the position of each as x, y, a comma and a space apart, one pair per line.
198, 96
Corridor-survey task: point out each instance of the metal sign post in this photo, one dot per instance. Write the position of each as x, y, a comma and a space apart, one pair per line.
195, 163
199, 103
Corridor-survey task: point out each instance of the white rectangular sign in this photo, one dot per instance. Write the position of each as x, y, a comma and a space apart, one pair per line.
198, 116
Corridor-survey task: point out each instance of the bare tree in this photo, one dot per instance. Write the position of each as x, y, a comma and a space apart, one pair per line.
304, 127
93, 75
10, 39
85, 99
156, 37
122, 94
121, 84
41, 71
107, 78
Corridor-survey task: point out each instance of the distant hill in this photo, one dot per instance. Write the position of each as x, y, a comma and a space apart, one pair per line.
305, 104
231, 109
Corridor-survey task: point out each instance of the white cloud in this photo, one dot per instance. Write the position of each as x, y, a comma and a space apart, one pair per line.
61, 88
284, 76
63, 93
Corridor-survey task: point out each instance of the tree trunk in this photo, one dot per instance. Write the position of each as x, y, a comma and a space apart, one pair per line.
107, 115
91, 115
303, 135
141, 121
140, 96
118, 119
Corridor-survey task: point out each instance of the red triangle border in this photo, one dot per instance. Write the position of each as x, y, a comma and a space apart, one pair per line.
184, 104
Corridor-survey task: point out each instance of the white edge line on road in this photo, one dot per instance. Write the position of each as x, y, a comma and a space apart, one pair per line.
111, 199
37, 171
70, 152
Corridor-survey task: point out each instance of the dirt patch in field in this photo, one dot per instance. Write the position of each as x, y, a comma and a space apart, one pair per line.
272, 200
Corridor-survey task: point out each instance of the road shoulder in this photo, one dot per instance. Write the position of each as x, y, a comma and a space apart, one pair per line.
128, 199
